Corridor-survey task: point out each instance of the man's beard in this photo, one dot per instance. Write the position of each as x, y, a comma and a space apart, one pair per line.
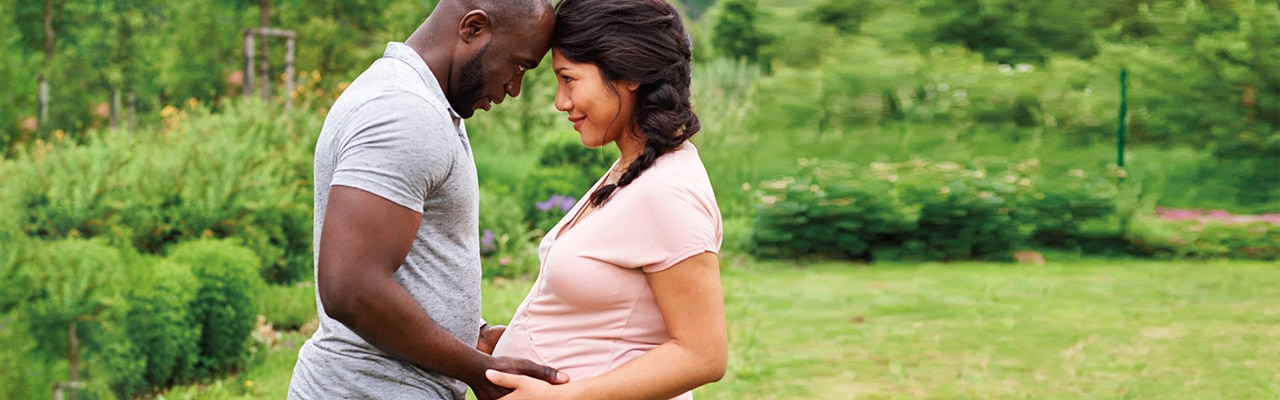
470, 85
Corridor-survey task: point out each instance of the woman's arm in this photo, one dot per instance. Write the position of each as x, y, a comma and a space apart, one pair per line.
692, 304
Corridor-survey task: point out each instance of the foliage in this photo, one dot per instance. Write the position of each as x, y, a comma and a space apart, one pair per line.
1090, 328
287, 307
162, 325
241, 174
566, 170
1010, 31
224, 305
78, 287
922, 210
1207, 238
846, 16
735, 34
77, 281
507, 240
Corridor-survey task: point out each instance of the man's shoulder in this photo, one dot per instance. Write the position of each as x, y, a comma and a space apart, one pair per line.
392, 80
382, 95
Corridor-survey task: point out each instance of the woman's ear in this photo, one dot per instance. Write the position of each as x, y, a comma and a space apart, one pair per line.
631, 86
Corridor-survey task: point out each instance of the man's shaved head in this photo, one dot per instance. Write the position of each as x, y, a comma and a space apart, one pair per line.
480, 49
516, 15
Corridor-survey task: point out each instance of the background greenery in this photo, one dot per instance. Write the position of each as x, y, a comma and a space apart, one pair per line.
858, 130
1091, 329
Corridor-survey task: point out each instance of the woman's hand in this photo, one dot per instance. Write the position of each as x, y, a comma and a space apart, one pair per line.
524, 387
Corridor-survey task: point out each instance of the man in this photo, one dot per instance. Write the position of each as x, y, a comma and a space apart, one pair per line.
397, 207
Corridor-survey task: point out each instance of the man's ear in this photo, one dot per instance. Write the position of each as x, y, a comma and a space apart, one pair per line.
474, 25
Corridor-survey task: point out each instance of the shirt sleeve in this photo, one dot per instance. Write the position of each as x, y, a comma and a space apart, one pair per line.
396, 153
674, 221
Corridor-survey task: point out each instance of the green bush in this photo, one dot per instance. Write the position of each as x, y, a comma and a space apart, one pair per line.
227, 274
923, 210
288, 307
1205, 239
81, 282
244, 174
161, 324
75, 280
27, 372
507, 242
565, 168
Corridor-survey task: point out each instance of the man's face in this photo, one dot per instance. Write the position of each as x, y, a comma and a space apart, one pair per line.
497, 69
470, 89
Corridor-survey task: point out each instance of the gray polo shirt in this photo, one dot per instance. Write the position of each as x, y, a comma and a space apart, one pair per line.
392, 133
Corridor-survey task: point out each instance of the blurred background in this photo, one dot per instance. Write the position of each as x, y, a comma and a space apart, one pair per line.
156, 161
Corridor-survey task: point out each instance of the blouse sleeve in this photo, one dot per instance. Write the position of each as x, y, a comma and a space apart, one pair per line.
672, 222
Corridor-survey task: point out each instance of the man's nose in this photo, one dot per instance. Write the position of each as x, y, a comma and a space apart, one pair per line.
513, 87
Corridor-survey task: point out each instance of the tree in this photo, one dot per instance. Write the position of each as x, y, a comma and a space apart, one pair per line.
846, 16
42, 38
735, 33
1011, 31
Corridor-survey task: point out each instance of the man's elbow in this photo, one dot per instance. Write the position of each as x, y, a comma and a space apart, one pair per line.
340, 302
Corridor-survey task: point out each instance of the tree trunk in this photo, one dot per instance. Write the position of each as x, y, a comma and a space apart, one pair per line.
75, 360
49, 34
133, 111
264, 21
115, 109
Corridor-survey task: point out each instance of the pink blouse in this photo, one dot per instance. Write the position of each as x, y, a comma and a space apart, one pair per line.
591, 309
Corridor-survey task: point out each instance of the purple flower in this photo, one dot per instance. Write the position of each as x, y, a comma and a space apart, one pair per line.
487, 244
553, 202
566, 203
560, 202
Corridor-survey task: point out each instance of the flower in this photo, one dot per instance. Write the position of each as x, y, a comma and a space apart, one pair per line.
504, 261
487, 244
553, 202
567, 203
561, 202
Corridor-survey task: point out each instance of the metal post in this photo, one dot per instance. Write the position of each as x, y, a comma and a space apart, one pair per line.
1124, 108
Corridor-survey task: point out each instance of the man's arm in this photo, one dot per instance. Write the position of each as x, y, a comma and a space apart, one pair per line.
364, 241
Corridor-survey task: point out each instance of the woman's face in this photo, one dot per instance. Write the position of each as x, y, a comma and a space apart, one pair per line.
599, 114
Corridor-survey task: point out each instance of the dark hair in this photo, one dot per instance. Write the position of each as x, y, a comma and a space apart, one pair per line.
642, 41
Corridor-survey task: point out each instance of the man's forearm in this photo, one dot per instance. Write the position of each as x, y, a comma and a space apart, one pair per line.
384, 314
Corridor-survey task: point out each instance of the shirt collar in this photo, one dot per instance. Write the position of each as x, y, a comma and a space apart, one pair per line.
403, 52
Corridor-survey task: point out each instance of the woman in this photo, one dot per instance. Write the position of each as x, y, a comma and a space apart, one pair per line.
628, 301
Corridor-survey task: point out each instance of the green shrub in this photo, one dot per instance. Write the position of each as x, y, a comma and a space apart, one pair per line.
921, 210
27, 372
507, 242
81, 282
1205, 239
244, 174
75, 280
161, 323
224, 306
288, 307
566, 168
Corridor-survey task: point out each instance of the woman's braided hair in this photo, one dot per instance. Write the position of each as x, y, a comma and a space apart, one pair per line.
642, 41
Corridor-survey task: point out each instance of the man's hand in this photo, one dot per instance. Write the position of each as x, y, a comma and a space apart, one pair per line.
485, 390
489, 336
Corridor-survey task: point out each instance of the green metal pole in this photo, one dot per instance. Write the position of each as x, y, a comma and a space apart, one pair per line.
1124, 108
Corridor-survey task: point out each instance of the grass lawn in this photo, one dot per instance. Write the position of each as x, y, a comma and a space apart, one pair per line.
1083, 329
